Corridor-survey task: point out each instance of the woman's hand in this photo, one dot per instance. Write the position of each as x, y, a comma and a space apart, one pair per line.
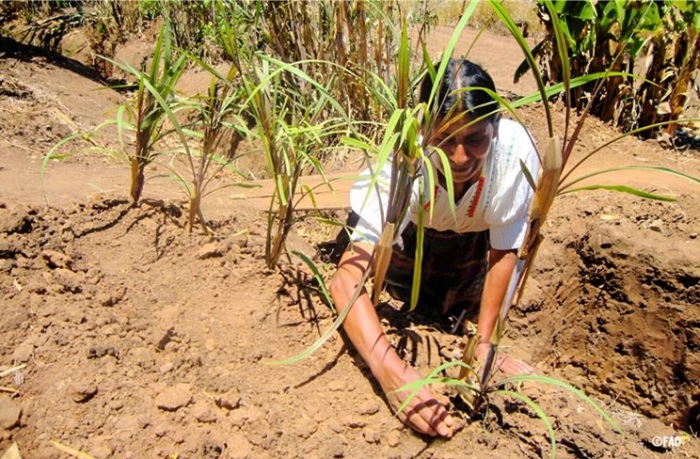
508, 365
424, 413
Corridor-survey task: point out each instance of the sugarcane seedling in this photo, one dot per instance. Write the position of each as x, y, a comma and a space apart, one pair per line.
545, 193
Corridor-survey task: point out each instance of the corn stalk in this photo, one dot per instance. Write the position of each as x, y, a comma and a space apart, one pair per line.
615, 36
408, 156
216, 116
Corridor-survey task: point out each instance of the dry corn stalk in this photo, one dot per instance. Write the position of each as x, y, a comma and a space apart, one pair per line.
12, 452
71, 451
14, 369
467, 373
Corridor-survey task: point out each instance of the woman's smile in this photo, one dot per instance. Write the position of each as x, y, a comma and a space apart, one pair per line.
465, 146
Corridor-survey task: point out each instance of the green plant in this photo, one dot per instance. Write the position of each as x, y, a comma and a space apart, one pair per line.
154, 102
150, 9
478, 391
156, 115
296, 119
292, 129
214, 116
617, 35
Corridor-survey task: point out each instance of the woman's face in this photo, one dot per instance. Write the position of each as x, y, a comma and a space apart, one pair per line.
466, 148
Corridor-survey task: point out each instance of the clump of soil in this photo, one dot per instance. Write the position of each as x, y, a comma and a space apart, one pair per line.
48, 127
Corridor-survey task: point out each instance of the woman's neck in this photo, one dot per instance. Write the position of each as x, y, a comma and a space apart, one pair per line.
461, 189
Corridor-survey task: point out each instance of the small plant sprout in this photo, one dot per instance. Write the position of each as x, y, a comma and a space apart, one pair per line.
153, 103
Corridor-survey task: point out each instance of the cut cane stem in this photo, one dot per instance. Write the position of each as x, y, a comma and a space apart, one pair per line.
545, 193
384, 250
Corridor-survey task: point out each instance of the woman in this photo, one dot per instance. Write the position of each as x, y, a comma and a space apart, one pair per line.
467, 262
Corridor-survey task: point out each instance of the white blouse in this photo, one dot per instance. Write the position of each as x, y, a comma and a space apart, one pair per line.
498, 201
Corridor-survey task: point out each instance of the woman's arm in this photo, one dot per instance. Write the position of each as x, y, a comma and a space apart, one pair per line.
501, 266
424, 414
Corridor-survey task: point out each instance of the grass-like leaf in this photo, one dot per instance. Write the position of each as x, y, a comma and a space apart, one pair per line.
621, 189
50, 155
528, 175
432, 378
559, 383
661, 169
418, 260
337, 323
318, 277
618, 138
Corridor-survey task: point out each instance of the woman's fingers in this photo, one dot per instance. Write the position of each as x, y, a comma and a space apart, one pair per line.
417, 423
424, 412
438, 416
511, 366
411, 415
427, 415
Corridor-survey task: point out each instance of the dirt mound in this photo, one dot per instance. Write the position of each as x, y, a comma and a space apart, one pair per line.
620, 289
101, 339
141, 338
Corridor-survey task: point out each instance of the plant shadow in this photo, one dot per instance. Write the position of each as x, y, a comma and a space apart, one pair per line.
26, 53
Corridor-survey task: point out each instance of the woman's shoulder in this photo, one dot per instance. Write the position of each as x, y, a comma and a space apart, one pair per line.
514, 145
510, 131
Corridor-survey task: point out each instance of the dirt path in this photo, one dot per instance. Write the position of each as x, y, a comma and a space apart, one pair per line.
141, 340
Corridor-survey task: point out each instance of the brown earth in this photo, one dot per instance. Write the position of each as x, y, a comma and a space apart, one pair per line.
142, 340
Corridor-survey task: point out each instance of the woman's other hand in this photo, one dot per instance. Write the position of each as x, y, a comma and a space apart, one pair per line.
510, 366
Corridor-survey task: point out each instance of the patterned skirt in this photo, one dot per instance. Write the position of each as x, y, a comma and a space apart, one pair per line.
453, 271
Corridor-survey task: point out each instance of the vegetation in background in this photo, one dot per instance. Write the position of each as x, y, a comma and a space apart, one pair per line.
297, 88
657, 41
307, 83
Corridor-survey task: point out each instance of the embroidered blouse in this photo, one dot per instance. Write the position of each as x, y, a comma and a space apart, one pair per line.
497, 201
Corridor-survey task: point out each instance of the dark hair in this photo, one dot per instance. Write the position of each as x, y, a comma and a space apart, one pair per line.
461, 73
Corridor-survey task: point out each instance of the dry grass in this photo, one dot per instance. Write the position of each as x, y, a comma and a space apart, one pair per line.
447, 13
